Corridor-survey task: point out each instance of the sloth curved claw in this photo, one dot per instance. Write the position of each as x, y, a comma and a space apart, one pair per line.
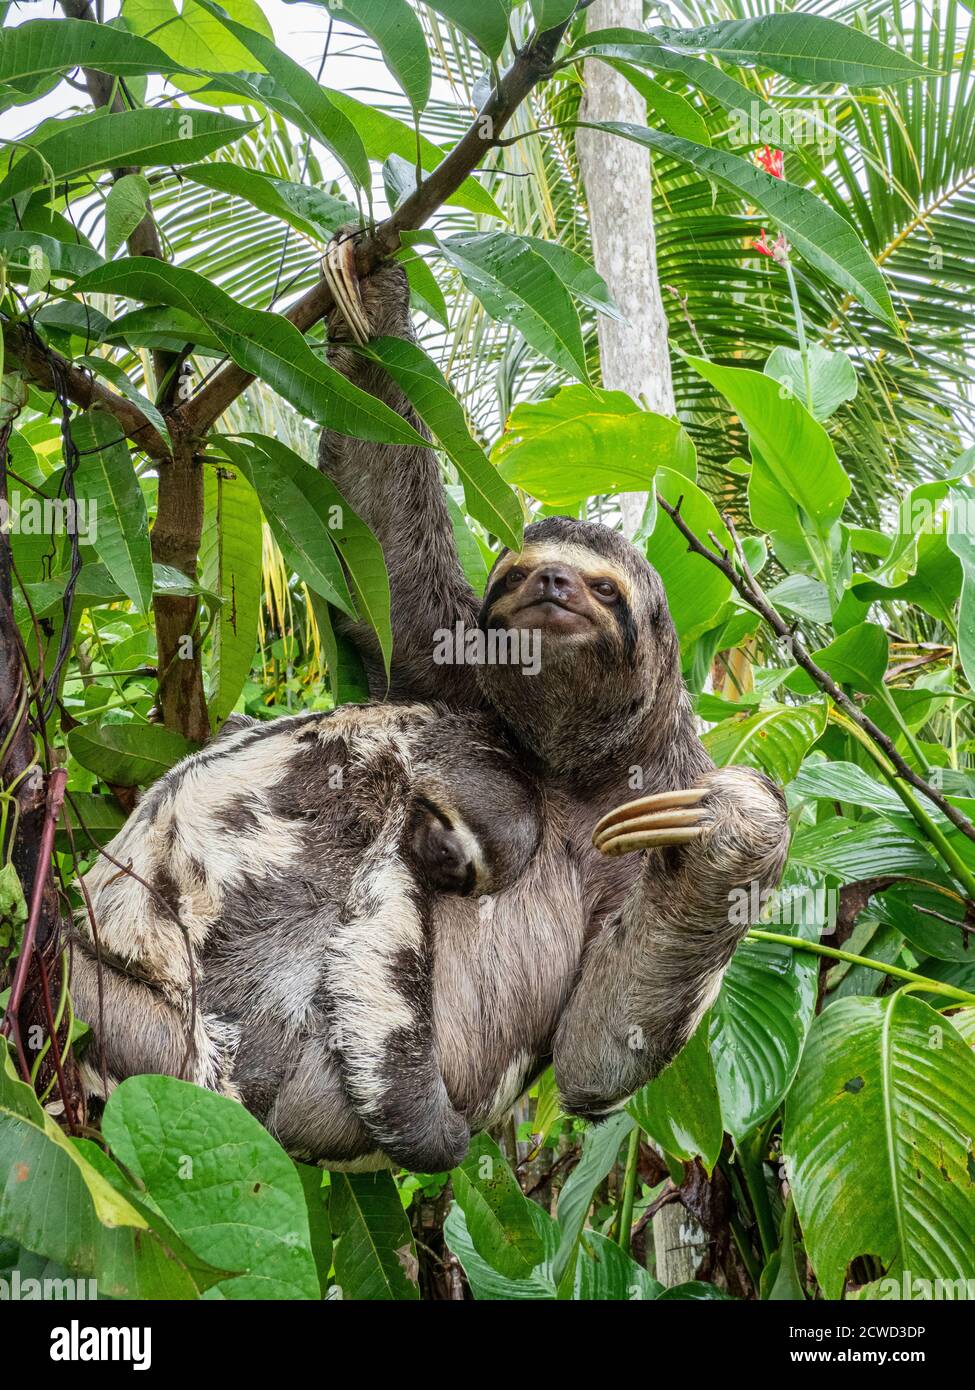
339, 272
651, 822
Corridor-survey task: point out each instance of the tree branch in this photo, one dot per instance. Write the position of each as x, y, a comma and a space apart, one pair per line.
747, 588
531, 64
41, 364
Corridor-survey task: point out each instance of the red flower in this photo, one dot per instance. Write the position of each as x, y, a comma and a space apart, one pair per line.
772, 161
763, 245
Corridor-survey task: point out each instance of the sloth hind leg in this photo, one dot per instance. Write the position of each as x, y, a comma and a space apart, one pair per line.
138, 1030
379, 983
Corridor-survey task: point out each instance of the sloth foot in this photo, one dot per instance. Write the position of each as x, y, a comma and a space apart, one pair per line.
650, 822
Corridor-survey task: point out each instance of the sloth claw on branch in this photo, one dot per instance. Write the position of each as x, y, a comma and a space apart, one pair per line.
650, 822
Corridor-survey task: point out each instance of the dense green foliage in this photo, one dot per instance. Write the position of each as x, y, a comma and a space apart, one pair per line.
826, 1102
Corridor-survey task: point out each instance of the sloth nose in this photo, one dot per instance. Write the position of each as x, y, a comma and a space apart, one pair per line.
553, 581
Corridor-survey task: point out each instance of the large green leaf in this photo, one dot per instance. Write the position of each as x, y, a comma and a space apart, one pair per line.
394, 27
219, 1178
229, 548
825, 238
375, 1258
497, 1213
106, 479
858, 657
518, 286
793, 447
383, 135
854, 850
486, 21
266, 344
600, 1149
128, 755
144, 138
40, 46
878, 1142
961, 540
805, 47
695, 589
125, 207
57, 1203
774, 738
832, 377
65, 258
680, 1108
315, 528
582, 443
760, 1019
331, 125
308, 209
488, 497
487, 1284
193, 34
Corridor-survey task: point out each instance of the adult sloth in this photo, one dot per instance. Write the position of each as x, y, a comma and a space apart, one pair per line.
600, 958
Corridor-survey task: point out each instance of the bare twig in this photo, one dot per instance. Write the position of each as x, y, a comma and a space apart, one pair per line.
747, 588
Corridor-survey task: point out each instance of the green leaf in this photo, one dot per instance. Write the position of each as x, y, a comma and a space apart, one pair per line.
578, 276
605, 1272
315, 527
673, 109
308, 209
144, 138
961, 540
394, 27
331, 125
111, 371
128, 755
832, 377
826, 239
485, 21
600, 1149
106, 479
194, 35
125, 207
804, 47
878, 1142
383, 135
858, 657
518, 286
55, 1202
219, 1178
487, 496
775, 738
549, 13
375, 1258
487, 1285
794, 448
41, 46
582, 442
759, 1022
680, 1109
229, 548
854, 850
91, 817
695, 589
266, 344
497, 1213
67, 259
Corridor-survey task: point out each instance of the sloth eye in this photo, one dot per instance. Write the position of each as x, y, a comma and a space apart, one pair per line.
605, 589
514, 577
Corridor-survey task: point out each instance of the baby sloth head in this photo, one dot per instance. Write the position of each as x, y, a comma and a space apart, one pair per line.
475, 816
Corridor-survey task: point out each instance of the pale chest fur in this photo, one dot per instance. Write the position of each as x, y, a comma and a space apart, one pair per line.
504, 966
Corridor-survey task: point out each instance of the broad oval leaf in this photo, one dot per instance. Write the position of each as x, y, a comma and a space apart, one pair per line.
680, 1109
695, 589
499, 1220
119, 525
878, 1141
40, 46
774, 738
128, 755
375, 1257
221, 1181
395, 28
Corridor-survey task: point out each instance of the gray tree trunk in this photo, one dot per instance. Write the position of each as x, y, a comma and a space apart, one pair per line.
617, 178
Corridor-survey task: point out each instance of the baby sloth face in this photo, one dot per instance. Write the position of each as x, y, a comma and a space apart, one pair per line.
448, 856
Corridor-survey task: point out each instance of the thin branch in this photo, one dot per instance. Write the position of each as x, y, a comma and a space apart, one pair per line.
532, 63
748, 589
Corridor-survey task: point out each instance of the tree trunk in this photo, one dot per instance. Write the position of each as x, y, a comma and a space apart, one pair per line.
633, 353
617, 178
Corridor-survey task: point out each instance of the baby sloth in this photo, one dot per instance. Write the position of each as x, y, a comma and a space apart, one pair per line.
348, 825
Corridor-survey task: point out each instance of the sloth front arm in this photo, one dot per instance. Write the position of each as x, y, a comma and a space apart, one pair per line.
650, 973
397, 490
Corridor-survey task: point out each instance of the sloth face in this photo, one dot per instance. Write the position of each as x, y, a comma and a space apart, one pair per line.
609, 664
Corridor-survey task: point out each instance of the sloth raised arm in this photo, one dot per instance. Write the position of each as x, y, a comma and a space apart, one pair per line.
649, 975
397, 490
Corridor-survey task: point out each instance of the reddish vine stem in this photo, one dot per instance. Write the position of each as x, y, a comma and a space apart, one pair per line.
747, 588
55, 799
